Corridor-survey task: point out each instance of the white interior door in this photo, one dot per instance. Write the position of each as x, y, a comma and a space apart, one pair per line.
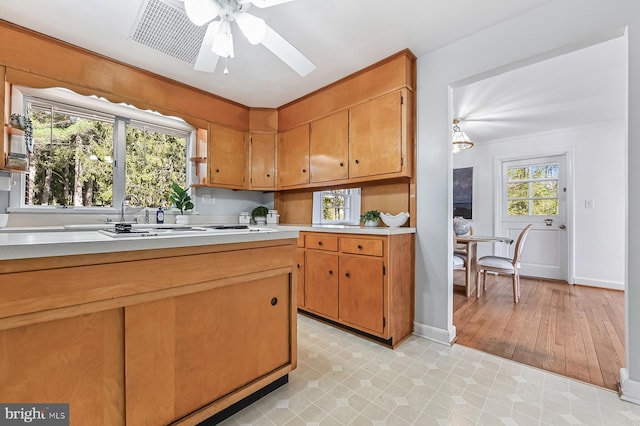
533, 190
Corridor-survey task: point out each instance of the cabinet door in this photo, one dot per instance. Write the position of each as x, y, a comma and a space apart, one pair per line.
375, 136
227, 157
184, 352
329, 148
263, 157
361, 292
300, 286
321, 283
227, 327
77, 360
293, 157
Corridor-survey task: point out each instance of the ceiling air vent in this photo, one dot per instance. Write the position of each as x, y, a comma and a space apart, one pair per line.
164, 27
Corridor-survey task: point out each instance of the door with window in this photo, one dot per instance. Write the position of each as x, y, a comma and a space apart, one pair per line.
534, 190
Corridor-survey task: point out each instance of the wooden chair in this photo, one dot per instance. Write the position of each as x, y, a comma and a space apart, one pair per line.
460, 260
504, 265
461, 248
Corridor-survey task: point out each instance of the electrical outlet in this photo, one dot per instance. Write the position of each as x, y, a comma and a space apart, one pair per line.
208, 199
588, 204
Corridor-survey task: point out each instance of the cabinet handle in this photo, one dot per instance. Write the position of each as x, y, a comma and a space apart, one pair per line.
304, 170
357, 161
217, 170
319, 243
341, 164
330, 272
359, 246
298, 265
268, 175
347, 275
274, 301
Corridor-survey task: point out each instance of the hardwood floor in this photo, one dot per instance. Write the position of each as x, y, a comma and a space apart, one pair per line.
574, 331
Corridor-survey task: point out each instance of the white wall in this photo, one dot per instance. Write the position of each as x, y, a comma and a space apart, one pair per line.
598, 173
226, 204
553, 27
213, 205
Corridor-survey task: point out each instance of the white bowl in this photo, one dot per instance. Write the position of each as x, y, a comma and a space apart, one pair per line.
394, 221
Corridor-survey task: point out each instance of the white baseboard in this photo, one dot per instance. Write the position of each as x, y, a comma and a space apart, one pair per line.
629, 389
611, 285
437, 335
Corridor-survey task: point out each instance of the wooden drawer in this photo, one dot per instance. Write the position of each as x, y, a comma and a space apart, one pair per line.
321, 242
364, 246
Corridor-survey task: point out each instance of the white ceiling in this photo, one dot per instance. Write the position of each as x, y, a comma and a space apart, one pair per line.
339, 36
344, 36
580, 88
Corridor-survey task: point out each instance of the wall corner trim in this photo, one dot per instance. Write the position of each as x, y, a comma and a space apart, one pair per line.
629, 389
438, 335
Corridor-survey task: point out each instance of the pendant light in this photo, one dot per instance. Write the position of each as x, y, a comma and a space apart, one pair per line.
460, 139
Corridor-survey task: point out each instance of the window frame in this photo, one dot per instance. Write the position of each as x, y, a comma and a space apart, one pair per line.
530, 181
352, 206
122, 113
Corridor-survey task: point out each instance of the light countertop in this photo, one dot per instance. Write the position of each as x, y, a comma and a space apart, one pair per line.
24, 243
352, 229
32, 244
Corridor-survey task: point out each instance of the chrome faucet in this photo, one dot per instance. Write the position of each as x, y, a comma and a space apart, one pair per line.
124, 202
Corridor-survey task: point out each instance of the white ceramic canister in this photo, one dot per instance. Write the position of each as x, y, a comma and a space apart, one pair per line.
273, 217
244, 218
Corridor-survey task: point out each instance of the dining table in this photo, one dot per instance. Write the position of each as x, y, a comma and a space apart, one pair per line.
471, 242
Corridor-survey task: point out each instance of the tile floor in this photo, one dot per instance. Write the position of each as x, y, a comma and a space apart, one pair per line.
342, 379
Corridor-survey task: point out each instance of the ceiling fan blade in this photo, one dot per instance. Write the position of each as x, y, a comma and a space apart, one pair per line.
264, 3
287, 53
254, 28
201, 11
207, 60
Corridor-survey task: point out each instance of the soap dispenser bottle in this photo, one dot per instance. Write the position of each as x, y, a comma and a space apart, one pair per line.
160, 215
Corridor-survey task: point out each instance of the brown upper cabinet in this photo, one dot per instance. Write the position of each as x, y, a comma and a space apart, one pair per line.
369, 141
227, 157
376, 145
262, 164
328, 148
361, 127
293, 157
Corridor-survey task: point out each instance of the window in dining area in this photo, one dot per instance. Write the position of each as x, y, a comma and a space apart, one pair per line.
533, 190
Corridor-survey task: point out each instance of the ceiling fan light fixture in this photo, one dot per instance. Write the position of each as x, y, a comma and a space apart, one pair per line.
201, 11
460, 140
218, 40
254, 28
223, 41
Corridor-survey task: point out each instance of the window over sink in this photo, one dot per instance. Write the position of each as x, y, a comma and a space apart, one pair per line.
89, 152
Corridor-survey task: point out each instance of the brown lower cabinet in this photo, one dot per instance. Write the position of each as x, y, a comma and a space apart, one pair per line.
150, 337
362, 282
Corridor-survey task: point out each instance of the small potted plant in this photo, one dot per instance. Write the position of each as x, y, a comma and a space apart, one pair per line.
370, 218
182, 200
259, 215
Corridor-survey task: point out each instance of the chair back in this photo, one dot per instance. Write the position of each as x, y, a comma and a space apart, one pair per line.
461, 246
520, 244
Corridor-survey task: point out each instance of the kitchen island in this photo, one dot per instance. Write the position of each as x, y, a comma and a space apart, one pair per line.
159, 330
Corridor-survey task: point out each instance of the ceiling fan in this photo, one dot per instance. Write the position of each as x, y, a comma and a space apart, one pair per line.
218, 40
